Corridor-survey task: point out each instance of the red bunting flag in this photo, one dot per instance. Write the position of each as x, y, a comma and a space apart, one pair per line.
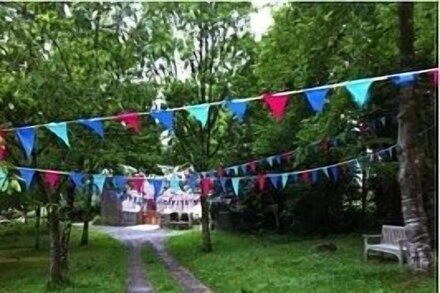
3, 150
137, 183
131, 120
305, 177
276, 104
261, 179
205, 186
52, 178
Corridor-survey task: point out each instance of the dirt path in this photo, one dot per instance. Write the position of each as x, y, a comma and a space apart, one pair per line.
135, 237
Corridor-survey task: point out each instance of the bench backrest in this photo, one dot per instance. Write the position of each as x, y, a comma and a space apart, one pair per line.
392, 234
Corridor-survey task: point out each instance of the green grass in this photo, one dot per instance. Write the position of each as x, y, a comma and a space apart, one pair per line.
252, 264
160, 278
99, 267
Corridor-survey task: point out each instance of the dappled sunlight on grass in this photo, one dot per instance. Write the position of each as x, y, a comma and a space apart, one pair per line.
252, 264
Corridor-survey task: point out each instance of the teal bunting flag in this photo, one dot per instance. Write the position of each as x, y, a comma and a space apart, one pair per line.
359, 89
174, 183
199, 112
3, 180
325, 171
98, 181
284, 179
60, 130
235, 185
270, 160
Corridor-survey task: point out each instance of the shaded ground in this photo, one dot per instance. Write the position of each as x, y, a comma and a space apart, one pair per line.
134, 238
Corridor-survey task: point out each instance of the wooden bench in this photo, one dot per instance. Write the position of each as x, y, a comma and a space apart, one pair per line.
182, 221
392, 241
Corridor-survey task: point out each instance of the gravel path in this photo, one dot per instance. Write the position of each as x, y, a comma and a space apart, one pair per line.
135, 237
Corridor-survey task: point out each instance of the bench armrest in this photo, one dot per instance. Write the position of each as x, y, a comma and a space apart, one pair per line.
368, 236
403, 244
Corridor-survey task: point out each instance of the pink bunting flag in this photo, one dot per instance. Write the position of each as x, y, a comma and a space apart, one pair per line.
276, 104
52, 178
130, 119
205, 186
3, 149
261, 179
435, 76
253, 166
137, 183
305, 177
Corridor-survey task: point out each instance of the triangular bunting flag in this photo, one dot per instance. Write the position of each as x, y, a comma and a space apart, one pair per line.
130, 119
205, 186
199, 112
261, 179
3, 180
223, 183
253, 166
192, 181
77, 179
277, 159
270, 160
382, 120
294, 177
27, 175
314, 176
404, 79
27, 139
174, 183
243, 168
3, 149
165, 118
96, 125
119, 182
316, 98
334, 172
235, 185
238, 108
99, 181
235, 169
157, 185
51, 178
359, 90
138, 183
325, 171
60, 130
274, 180
305, 177
276, 104
284, 179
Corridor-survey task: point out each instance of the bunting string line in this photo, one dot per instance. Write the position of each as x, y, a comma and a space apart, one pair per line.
216, 103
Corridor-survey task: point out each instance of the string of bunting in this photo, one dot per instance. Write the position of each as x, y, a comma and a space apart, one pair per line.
275, 102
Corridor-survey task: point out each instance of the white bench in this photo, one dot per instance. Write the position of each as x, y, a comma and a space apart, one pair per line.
392, 241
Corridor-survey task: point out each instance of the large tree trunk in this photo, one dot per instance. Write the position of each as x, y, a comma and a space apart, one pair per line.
37, 228
206, 233
414, 215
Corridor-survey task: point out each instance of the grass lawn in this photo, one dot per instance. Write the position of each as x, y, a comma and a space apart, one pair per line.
161, 280
242, 263
99, 267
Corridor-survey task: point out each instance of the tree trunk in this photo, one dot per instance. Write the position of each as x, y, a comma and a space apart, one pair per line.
364, 199
56, 273
37, 228
206, 233
419, 251
85, 233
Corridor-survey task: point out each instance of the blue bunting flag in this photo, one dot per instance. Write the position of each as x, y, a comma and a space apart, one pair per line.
26, 136
94, 124
165, 118
238, 108
98, 181
77, 179
316, 98
27, 175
